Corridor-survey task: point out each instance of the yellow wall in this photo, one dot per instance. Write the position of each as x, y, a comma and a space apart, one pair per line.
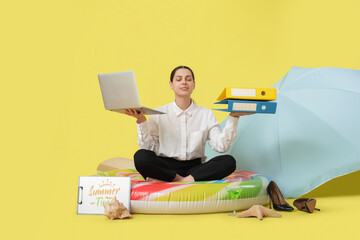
53, 124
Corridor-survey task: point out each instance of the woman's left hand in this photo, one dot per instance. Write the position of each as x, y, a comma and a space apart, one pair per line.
238, 114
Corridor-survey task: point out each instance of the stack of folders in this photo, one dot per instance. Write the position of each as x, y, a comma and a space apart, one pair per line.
250, 100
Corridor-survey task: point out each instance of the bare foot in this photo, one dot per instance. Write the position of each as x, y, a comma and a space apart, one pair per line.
179, 178
148, 179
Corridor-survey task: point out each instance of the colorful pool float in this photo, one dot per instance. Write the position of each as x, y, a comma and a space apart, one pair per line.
195, 197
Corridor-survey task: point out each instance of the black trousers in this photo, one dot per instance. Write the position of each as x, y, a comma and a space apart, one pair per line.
148, 164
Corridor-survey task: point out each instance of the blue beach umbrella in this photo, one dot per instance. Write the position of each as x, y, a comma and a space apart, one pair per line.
314, 135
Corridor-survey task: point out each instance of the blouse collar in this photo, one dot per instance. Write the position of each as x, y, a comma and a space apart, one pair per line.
179, 111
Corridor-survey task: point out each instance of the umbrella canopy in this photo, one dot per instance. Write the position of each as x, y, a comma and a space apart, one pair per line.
314, 135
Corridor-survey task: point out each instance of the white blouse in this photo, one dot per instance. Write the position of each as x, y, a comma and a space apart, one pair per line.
182, 134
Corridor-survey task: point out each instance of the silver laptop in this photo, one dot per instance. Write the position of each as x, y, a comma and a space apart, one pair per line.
119, 92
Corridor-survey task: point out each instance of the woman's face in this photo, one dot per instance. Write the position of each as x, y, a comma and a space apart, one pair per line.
183, 83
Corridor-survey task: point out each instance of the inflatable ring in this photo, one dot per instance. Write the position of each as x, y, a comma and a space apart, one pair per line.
195, 197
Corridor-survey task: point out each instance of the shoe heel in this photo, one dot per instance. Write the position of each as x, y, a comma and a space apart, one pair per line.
277, 199
270, 202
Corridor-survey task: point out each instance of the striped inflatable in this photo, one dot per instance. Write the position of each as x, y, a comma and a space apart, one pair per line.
195, 197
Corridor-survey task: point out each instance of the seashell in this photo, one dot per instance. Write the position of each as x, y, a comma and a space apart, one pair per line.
116, 210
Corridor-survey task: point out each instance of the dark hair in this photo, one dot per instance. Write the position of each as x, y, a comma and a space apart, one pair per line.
180, 67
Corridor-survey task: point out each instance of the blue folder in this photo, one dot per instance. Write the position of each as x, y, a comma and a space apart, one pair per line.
233, 105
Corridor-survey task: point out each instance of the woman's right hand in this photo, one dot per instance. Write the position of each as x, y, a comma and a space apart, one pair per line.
134, 113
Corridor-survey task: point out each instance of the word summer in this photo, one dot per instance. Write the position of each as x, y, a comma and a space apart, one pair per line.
103, 192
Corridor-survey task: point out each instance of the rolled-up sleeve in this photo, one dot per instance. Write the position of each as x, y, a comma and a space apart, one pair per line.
221, 141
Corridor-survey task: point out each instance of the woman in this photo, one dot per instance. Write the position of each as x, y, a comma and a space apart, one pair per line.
173, 144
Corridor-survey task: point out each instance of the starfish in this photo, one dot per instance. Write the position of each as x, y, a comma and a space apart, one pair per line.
258, 211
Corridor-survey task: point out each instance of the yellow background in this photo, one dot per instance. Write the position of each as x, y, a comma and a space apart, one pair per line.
54, 127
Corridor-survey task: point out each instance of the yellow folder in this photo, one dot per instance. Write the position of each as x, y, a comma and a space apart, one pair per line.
248, 93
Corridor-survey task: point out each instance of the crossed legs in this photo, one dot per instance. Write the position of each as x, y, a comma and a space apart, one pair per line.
154, 167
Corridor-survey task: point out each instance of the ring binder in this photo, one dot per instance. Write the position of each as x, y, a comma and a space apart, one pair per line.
262, 94
234, 105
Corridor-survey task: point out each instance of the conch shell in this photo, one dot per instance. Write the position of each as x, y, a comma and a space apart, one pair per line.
116, 210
